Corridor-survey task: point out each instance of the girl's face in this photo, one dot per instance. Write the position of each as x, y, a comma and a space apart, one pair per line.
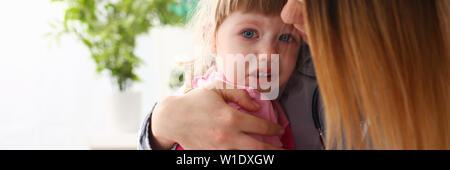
252, 33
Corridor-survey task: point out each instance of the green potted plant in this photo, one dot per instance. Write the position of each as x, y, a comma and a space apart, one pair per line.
109, 30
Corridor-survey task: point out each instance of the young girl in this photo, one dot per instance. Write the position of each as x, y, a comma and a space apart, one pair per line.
234, 30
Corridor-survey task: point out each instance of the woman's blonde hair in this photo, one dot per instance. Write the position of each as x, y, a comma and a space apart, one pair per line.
208, 17
386, 64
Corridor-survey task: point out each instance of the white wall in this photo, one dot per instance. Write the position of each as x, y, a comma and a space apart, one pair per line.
50, 95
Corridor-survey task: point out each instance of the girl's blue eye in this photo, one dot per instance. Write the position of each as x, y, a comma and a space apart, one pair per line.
249, 34
286, 38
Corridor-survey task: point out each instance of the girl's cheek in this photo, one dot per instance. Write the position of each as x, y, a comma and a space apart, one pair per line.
288, 61
229, 48
225, 65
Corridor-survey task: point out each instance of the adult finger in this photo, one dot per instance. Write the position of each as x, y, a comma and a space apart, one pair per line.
252, 124
240, 97
246, 142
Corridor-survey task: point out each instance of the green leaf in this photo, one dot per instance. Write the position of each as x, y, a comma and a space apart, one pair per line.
110, 28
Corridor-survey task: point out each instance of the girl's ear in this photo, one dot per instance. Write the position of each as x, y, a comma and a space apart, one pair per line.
214, 47
209, 37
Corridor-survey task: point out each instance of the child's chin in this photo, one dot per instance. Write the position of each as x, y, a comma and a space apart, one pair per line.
260, 87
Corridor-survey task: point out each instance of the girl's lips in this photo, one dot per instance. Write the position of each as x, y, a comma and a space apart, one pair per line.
265, 74
258, 72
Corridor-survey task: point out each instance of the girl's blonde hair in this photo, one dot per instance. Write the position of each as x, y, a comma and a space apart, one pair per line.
386, 63
208, 17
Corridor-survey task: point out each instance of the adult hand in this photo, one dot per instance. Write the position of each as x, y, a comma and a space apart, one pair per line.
201, 119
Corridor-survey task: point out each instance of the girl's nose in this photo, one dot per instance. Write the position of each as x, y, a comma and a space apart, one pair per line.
269, 47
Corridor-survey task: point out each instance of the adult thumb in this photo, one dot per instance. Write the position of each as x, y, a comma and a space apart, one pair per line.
240, 97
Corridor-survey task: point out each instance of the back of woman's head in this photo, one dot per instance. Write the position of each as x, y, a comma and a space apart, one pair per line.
385, 63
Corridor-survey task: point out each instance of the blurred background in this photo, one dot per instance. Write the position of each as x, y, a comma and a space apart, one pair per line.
82, 74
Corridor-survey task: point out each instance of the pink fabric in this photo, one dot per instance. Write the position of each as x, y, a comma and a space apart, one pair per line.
270, 111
